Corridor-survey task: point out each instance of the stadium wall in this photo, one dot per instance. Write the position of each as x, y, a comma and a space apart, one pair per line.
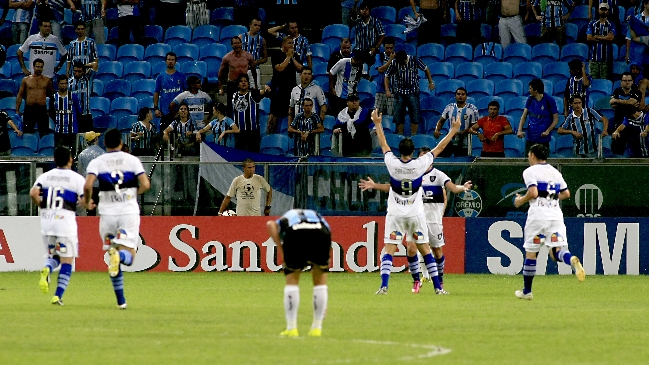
609, 246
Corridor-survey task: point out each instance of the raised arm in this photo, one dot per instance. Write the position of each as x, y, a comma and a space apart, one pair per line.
455, 127
380, 135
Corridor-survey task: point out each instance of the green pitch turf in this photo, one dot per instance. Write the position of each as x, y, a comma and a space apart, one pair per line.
235, 318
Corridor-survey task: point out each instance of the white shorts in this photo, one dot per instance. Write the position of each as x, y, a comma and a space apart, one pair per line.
548, 233
413, 229
62, 246
435, 235
124, 228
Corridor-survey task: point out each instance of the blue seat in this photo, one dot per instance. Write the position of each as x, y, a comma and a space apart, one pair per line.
231, 31
125, 123
206, 34
423, 140
424, 89
434, 103
97, 88
514, 146
574, 51
564, 144
406, 47
129, 53
153, 34
545, 53
320, 69
556, 71
108, 71
27, 145
526, 71
275, 144
468, 71
516, 53
116, 89
222, 16
602, 105
142, 88
446, 89
395, 31
320, 52
325, 144
138, 70
579, 15
498, 71
386, 14
366, 89
186, 52
480, 88
548, 87
406, 10
214, 50
178, 34
68, 33
533, 33
572, 31
5, 70
515, 107
104, 123
560, 87
483, 104
393, 141
159, 68
458, 53
146, 101
8, 88
488, 53
156, 53
17, 71
123, 106
559, 101
195, 68
600, 88
99, 106
606, 148
213, 65
448, 33
8, 104
430, 53
332, 34
46, 145
388, 124
476, 146
441, 71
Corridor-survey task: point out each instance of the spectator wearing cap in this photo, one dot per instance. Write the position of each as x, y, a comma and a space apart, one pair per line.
494, 128
343, 77
578, 84
144, 134
600, 35
353, 123
403, 71
553, 19
91, 152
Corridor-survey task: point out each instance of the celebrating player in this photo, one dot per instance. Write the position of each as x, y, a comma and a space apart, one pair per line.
304, 238
544, 225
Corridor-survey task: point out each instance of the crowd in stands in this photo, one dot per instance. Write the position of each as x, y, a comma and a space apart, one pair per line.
560, 72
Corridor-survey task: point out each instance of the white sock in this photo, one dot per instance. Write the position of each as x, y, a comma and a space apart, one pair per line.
422, 266
291, 304
320, 297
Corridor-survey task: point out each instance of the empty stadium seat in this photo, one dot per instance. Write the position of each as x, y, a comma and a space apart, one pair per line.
123, 106
515, 107
142, 88
129, 53
153, 34
99, 106
205, 34
458, 53
320, 52
108, 71
46, 145
97, 88
545, 53
222, 16
8, 88
574, 51
178, 34
526, 71
480, 88
514, 146
446, 89
332, 34
275, 144
564, 146
366, 89
516, 53
468, 71
386, 14
104, 122
134, 71
600, 88
195, 68
231, 31
556, 71
441, 71
27, 145
430, 53
156, 53
116, 89
498, 71
533, 33
125, 123
186, 52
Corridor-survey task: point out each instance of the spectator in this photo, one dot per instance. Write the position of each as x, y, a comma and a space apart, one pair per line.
578, 84
64, 110
369, 32
305, 126
403, 70
601, 34
434, 11
196, 99
82, 49
510, 24
144, 134
55, 13
343, 77
625, 101
247, 189
641, 21
169, 13
633, 131
543, 116
5, 144
253, 42
43, 46
88, 154
34, 89
468, 17
168, 85
613, 11
307, 89
552, 19
639, 82
236, 62
383, 103
300, 43
184, 129
80, 84
285, 65
129, 21
21, 20
93, 13
220, 126
345, 51
245, 112
468, 115
494, 128
354, 123
581, 125
346, 13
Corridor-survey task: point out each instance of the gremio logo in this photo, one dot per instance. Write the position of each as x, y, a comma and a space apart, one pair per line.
469, 204
589, 200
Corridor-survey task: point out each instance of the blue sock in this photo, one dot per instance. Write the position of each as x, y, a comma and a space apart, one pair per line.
564, 256
52, 263
431, 266
386, 268
64, 279
413, 264
125, 257
529, 270
118, 286
440, 268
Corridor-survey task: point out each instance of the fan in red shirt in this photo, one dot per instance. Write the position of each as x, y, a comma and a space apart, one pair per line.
494, 128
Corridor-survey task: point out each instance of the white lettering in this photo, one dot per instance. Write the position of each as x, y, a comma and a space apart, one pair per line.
219, 257
271, 255
514, 253
336, 258
371, 245
237, 257
596, 232
174, 239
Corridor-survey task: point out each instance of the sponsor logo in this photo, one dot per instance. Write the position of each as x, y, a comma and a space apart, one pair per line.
508, 193
396, 235
589, 200
469, 205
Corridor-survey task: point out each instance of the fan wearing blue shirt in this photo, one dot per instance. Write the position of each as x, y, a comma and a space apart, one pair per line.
543, 116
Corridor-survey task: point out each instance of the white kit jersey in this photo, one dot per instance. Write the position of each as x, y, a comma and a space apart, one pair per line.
433, 184
549, 183
404, 199
117, 173
60, 191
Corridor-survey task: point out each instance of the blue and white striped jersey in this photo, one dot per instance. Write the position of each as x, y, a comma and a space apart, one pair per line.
149, 134
90, 9
117, 173
405, 78
252, 44
367, 33
21, 15
82, 88
84, 51
553, 12
245, 110
347, 76
60, 192
585, 125
64, 111
601, 51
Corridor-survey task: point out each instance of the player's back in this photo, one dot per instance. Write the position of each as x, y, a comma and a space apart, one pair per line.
117, 173
549, 183
433, 196
302, 218
405, 194
60, 192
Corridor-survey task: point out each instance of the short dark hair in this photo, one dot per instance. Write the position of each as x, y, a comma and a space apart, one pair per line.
306, 68
461, 88
576, 96
78, 64
256, 17
401, 56
540, 151
247, 161
78, 23
388, 40
424, 149
112, 138
193, 79
537, 85
365, 4
245, 76
41, 21
235, 38
171, 54
62, 156
494, 103
576, 63
627, 73
143, 113
221, 108
38, 60
406, 147
307, 99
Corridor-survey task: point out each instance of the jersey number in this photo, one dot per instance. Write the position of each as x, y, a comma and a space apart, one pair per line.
406, 187
54, 199
119, 176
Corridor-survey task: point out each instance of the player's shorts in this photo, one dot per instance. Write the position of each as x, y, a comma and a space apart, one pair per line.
124, 228
435, 235
549, 233
306, 246
62, 246
413, 229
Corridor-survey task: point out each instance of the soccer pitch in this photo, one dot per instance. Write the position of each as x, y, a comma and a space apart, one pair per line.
235, 318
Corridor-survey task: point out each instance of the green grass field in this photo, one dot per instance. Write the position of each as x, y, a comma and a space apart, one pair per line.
235, 318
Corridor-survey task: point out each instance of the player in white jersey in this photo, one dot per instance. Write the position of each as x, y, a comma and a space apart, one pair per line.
405, 216
544, 225
121, 178
57, 193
